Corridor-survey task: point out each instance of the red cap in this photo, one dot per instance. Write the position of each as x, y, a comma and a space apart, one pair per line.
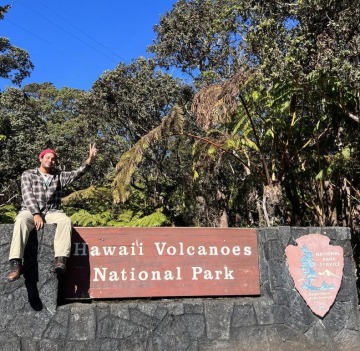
47, 151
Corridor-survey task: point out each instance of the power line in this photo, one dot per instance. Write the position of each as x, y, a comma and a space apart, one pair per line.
26, 30
81, 31
38, 37
67, 32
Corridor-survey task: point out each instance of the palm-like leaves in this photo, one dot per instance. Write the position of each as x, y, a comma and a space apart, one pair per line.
130, 160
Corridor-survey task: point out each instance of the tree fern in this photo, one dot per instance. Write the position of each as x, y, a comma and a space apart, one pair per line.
83, 218
89, 194
131, 159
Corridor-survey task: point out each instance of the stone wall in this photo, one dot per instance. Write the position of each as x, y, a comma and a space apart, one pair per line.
34, 318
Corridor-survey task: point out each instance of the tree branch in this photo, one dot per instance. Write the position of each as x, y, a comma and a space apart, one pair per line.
354, 117
217, 146
1, 205
268, 179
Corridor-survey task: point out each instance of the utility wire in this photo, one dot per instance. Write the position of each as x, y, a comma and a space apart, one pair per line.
67, 32
26, 30
40, 38
81, 31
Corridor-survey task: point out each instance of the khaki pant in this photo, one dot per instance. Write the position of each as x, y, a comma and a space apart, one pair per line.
24, 224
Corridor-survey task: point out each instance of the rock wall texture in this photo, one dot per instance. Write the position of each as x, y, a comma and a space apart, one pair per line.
34, 318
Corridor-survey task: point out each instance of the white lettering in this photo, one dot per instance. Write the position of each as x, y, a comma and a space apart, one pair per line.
113, 276
123, 251
236, 251
132, 274
196, 272
330, 264
213, 251
225, 250
171, 250
162, 248
191, 250
247, 250
109, 250
155, 275
327, 253
134, 246
228, 274
143, 275
178, 273
102, 274
202, 251
218, 274
94, 251
168, 275
123, 274
140, 248
207, 274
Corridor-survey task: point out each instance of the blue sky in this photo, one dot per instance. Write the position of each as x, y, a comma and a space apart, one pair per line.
72, 42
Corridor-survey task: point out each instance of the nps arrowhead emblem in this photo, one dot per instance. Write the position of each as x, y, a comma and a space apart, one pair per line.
316, 268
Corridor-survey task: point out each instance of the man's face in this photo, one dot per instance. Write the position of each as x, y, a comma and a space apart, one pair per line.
48, 161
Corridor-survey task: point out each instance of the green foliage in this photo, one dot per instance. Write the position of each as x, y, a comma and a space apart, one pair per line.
155, 219
83, 218
294, 126
271, 137
199, 36
129, 161
15, 63
7, 213
132, 100
97, 198
21, 126
39, 116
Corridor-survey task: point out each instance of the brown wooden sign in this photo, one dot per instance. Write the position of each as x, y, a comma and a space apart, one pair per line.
162, 262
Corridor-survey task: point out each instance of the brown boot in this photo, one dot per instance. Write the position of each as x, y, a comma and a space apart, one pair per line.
60, 264
15, 270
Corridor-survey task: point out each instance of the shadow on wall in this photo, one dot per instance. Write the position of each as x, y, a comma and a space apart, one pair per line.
75, 283
31, 269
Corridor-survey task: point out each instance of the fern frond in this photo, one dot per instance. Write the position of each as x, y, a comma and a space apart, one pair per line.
155, 219
242, 126
216, 103
89, 193
83, 218
130, 160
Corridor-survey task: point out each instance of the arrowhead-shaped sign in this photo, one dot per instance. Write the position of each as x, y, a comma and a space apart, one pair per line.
316, 268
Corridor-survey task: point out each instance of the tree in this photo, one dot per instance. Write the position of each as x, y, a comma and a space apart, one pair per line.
200, 36
20, 127
15, 63
35, 117
123, 105
132, 99
290, 115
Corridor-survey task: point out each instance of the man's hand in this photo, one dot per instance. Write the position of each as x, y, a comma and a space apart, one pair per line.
39, 222
92, 154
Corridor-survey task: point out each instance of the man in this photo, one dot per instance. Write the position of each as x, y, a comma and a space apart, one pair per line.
41, 190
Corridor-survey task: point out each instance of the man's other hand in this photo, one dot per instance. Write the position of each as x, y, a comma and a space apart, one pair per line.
38, 221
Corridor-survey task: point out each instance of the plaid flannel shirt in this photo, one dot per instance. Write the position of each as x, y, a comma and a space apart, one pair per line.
40, 198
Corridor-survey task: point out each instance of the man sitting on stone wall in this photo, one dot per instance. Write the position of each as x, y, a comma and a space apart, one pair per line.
41, 190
